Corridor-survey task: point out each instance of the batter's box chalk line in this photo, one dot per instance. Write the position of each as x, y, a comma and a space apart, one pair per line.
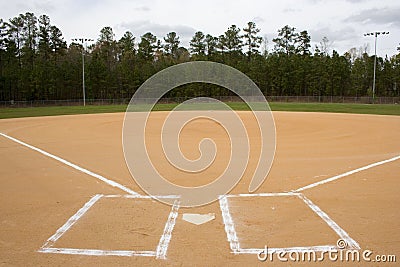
160, 252
233, 239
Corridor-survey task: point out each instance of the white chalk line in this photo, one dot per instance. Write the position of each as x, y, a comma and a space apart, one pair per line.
47, 247
287, 250
74, 166
346, 174
229, 225
234, 241
97, 252
282, 194
142, 196
159, 253
71, 221
162, 248
165, 238
352, 244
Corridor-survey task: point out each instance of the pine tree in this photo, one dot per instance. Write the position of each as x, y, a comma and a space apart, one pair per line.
147, 46
57, 43
233, 40
127, 43
44, 36
198, 44
211, 43
171, 44
252, 41
303, 43
286, 40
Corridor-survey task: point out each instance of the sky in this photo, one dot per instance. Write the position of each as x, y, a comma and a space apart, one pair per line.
343, 22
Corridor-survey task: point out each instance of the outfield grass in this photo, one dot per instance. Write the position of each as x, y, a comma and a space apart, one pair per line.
304, 107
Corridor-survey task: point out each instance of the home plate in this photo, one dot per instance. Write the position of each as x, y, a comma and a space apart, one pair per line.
198, 218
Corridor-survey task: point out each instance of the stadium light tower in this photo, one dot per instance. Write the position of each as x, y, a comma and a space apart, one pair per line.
376, 37
83, 41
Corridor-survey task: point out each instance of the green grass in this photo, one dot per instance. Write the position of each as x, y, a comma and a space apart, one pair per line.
378, 109
304, 107
59, 110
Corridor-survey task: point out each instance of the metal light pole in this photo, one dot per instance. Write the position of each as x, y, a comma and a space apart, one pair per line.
376, 37
83, 40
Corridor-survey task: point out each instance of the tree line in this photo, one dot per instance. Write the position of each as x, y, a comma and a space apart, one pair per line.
37, 64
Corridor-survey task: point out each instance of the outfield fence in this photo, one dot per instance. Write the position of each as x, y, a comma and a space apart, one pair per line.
281, 99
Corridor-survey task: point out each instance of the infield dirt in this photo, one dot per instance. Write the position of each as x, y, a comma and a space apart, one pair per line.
39, 194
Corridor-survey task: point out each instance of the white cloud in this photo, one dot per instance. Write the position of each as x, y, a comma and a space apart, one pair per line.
381, 16
142, 8
342, 21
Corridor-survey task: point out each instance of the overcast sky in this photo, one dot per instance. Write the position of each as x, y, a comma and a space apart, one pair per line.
343, 22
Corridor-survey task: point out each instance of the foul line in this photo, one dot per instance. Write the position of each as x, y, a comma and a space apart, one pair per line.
346, 174
76, 167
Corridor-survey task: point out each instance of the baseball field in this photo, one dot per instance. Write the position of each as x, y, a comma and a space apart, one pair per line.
67, 197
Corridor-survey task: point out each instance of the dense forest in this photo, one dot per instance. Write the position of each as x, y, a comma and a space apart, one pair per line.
37, 64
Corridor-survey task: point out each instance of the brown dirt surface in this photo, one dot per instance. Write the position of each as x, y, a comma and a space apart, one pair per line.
39, 194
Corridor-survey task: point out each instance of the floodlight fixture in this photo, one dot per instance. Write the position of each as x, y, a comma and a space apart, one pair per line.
375, 34
83, 41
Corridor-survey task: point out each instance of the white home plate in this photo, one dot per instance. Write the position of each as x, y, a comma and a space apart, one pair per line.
198, 218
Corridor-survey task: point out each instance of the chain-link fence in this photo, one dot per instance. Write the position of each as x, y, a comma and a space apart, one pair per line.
125, 101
